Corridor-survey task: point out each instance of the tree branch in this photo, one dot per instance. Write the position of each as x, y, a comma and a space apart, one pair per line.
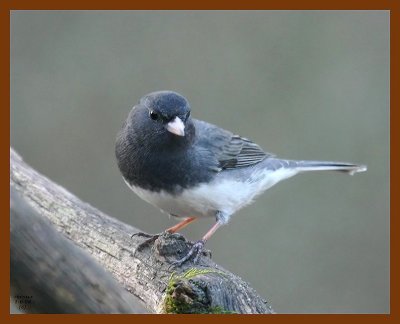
147, 273
49, 274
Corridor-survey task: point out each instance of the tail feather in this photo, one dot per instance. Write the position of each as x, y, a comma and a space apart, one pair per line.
346, 167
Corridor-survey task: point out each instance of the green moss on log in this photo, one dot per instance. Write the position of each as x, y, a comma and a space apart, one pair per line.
185, 296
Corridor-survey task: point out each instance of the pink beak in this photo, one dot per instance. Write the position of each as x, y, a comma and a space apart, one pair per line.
176, 127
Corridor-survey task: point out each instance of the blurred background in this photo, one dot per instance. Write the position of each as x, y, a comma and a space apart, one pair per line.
302, 84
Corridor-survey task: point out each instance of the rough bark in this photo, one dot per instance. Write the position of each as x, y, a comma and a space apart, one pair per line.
50, 274
146, 272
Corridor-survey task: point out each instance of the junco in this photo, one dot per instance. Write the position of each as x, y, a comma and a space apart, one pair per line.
192, 169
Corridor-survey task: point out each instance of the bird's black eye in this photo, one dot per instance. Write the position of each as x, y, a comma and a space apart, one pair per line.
187, 115
153, 115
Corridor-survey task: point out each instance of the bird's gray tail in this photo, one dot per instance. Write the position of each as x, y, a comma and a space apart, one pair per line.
346, 167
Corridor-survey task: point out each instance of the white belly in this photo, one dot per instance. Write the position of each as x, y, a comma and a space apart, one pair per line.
225, 193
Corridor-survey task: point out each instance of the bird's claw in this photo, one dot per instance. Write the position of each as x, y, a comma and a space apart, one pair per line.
194, 253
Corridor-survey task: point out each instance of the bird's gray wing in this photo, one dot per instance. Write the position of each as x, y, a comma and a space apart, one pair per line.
231, 151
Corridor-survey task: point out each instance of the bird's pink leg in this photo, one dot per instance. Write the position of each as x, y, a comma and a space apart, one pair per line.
180, 225
211, 231
197, 248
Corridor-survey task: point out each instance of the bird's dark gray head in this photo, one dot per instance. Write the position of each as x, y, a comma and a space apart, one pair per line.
161, 119
166, 105
155, 149
166, 111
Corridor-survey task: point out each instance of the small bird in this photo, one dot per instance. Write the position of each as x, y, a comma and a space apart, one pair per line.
191, 169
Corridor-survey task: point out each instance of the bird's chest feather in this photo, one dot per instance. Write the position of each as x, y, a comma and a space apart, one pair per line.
182, 203
167, 173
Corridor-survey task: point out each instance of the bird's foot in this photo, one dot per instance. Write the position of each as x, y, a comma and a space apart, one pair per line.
194, 253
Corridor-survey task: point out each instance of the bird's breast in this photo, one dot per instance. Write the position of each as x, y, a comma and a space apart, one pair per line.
186, 203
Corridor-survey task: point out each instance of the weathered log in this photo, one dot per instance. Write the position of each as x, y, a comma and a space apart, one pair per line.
50, 274
146, 272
